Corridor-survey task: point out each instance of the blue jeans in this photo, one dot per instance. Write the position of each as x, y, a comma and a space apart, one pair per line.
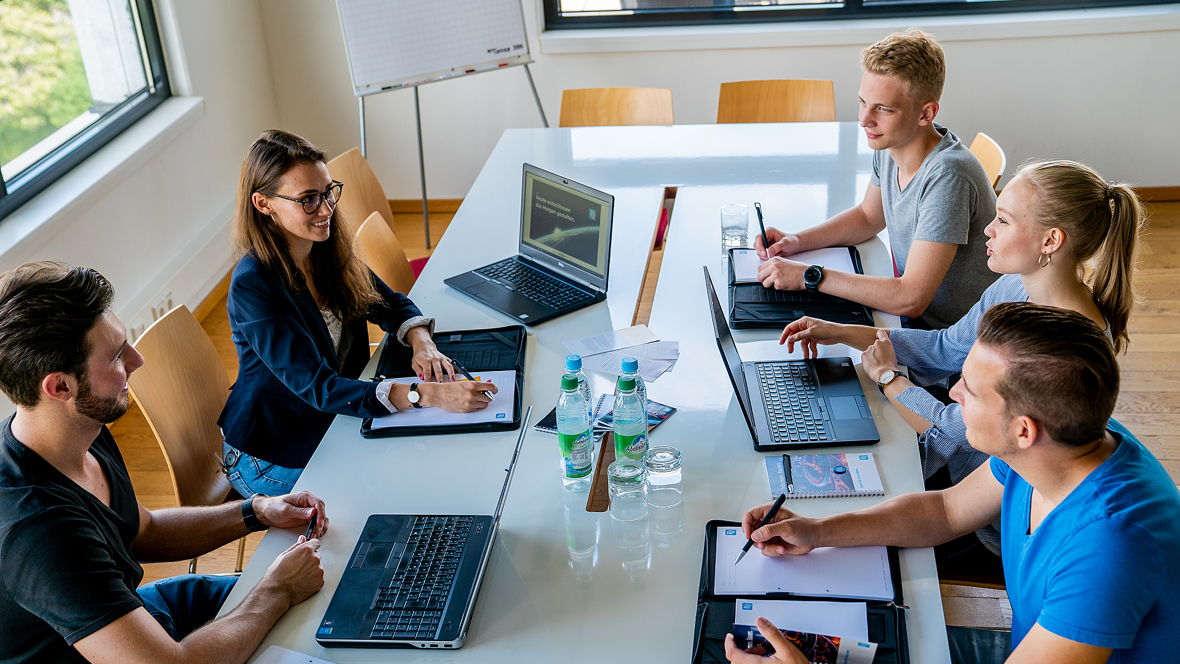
250, 475
183, 603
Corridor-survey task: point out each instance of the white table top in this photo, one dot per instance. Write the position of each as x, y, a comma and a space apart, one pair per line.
560, 579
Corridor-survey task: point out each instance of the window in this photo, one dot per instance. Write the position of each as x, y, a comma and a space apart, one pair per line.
567, 14
73, 75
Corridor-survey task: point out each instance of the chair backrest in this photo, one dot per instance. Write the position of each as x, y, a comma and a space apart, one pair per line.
777, 101
991, 155
603, 107
379, 248
181, 389
362, 194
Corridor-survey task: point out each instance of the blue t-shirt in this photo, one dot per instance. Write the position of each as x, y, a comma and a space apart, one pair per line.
1103, 568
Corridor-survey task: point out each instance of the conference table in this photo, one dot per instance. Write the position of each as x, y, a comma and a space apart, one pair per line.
564, 584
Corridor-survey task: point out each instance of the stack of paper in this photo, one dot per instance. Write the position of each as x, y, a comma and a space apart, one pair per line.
605, 352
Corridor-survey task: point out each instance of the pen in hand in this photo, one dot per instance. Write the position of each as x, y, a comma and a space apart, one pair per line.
765, 520
310, 525
471, 378
762, 227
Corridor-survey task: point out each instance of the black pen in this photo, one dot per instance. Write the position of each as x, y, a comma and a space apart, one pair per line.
762, 227
471, 378
310, 525
765, 520
787, 471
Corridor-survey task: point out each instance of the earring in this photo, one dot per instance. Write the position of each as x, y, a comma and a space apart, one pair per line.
1048, 259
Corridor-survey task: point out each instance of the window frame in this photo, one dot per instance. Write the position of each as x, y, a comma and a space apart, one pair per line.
47, 170
852, 10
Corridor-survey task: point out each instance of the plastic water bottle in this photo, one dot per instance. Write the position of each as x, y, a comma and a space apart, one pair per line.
573, 365
631, 370
573, 435
630, 426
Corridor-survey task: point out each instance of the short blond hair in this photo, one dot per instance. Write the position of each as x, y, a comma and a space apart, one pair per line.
912, 56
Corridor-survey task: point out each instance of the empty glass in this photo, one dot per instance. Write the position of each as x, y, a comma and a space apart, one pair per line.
665, 486
735, 223
627, 480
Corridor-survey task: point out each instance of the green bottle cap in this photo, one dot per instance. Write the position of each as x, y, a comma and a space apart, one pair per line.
569, 382
627, 384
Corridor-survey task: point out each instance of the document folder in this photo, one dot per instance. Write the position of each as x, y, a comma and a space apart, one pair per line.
753, 305
493, 349
715, 612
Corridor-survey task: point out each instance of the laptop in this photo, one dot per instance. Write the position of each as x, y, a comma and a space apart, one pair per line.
751, 305
411, 581
800, 403
564, 253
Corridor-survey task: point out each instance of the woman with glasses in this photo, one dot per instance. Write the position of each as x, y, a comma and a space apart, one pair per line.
298, 301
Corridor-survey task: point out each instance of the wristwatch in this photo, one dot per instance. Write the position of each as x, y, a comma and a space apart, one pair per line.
414, 396
249, 517
886, 377
812, 276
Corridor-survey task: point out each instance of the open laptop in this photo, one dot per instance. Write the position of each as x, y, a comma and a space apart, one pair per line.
412, 579
801, 403
564, 252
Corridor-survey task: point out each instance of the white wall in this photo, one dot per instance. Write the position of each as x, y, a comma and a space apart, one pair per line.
1108, 99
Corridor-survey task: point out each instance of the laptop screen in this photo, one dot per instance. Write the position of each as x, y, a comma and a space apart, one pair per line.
729, 353
568, 223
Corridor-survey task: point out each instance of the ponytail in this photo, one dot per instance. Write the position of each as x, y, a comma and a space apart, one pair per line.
1103, 223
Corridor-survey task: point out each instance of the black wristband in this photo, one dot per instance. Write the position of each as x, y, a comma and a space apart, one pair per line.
248, 516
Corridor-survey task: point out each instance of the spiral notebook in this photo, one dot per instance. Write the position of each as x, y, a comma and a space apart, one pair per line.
824, 475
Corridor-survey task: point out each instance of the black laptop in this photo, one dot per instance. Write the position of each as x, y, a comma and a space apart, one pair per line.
564, 252
801, 403
412, 579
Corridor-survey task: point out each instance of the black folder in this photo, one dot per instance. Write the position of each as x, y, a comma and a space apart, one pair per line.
715, 613
493, 349
754, 305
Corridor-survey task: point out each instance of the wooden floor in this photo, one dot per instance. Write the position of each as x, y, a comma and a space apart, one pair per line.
1149, 402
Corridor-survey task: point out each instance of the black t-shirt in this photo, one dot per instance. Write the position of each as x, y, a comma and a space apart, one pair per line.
66, 565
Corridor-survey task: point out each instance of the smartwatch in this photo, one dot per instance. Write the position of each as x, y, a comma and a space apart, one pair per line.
414, 396
812, 276
886, 377
249, 517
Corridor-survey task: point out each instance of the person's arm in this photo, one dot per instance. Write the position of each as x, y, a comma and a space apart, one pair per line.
907, 295
879, 358
1040, 646
855, 225
924, 518
180, 533
136, 638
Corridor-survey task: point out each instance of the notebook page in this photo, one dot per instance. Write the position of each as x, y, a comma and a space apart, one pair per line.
858, 572
846, 619
746, 262
499, 410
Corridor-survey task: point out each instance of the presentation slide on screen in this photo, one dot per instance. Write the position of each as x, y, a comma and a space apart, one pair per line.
567, 224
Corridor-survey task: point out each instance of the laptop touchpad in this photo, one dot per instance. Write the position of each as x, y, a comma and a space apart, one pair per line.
843, 408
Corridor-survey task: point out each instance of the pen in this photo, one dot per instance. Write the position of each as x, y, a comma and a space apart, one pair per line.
787, 472
765, 520
310, 525
471, 378
762, 227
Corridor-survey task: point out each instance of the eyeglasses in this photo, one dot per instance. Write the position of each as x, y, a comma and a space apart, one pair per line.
312, 203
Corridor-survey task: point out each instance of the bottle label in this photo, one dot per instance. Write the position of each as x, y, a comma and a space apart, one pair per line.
631, 447
576, 449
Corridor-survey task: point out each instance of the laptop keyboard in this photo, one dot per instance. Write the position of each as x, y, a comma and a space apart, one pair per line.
411, 607
787, 391
533, 284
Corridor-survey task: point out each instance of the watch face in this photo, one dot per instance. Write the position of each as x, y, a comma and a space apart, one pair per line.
413, 396
812, 275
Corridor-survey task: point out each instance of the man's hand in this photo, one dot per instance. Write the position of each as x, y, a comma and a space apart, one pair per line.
781, 244
292, 510
429, 364
459, 397
782, 274
297, 572
787, 532
810, 333
785, 652
880, 357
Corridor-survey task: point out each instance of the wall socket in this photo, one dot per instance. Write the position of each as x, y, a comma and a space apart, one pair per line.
162, 307
136, 331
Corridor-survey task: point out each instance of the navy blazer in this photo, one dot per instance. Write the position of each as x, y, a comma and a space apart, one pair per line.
290, 383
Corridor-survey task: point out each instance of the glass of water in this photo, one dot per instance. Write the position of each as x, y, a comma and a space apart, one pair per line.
665, 486
627, 480
735, 223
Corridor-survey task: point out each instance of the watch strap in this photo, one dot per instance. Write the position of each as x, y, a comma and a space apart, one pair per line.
249, 517
416, 403
881, 384
810, 285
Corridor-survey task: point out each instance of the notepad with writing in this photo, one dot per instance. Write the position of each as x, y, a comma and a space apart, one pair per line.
746, 262
824, 475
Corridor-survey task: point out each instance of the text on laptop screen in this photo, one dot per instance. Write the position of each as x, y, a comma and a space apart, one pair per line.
566, 223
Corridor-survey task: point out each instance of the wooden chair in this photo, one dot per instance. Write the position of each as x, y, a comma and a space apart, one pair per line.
991, 155
362, 194
181, 389
777, 101
379, 248
608, 107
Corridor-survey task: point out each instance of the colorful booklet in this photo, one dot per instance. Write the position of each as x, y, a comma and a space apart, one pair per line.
824, 475
604, 418
808, 625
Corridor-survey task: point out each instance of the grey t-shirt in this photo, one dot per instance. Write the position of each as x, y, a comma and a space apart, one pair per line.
949, 200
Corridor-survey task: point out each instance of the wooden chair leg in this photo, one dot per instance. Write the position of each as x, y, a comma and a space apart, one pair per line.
192, 566
241, 555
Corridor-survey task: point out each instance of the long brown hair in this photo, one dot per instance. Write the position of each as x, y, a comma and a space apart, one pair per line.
339, 276
1103, 223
